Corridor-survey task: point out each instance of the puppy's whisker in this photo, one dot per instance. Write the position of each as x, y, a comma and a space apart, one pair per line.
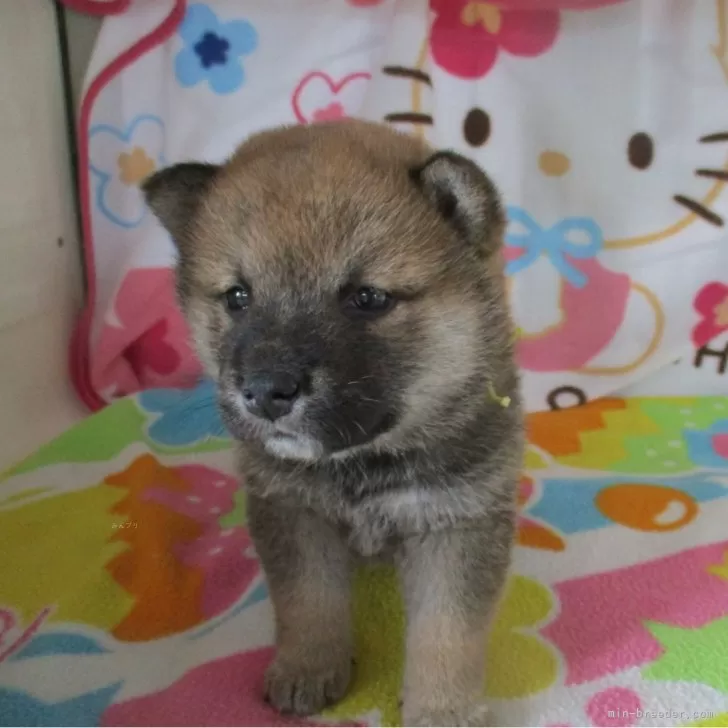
369, 399
699, 209
720, 174
721, 136
361, 380
341, 434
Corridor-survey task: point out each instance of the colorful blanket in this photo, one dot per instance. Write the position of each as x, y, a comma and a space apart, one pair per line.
604, 122
130, 593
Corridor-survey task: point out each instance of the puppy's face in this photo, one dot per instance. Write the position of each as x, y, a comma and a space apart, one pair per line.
337, 280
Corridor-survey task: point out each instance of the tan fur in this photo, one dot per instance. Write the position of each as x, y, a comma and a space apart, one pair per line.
311, 599
292, 227
395, 449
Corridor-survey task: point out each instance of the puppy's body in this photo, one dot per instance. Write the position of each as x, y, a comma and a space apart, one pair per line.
382, 437
377, 498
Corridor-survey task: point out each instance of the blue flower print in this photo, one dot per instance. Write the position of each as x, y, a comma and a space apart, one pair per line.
184, 417
58, 643
22, 708
709, 448
120, 158
213, 49
556, 243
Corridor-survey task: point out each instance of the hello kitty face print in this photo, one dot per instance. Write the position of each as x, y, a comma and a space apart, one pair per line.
605, 124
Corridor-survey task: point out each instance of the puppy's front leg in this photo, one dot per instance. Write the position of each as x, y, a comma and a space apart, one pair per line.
308, 572
451, 582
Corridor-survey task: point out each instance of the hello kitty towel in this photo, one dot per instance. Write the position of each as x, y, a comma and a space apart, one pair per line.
604, 122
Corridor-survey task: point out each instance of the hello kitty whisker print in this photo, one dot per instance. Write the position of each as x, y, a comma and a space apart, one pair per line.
711, 138
720, 174
700, 209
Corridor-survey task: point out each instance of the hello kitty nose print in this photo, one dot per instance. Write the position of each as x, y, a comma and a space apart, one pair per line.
553, 163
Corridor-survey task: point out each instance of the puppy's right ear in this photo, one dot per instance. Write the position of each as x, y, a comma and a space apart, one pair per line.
464, 196
174, 195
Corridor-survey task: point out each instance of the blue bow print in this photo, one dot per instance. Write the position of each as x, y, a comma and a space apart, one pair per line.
554, 243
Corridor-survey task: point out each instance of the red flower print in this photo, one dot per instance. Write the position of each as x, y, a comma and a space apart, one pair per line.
319, 97
467, 35
152, 350
712, 304
332, 112
144, 343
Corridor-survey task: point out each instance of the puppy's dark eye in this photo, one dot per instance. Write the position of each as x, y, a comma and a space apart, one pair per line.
368, 302
237, 298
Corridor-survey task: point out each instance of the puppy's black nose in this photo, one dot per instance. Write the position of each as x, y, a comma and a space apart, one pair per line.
270, 395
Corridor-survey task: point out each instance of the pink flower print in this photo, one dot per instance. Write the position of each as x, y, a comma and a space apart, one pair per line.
144, 343
225, 556
211, 494
152, 350
614, 707
228, 560
712, 303
223, 692
332, 112
467, 36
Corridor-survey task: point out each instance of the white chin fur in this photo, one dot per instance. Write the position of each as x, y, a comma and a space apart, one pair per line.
294, 448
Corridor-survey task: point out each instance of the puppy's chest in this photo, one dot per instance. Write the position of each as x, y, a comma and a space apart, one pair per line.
375, 510
372, 517
376, 524
373, 529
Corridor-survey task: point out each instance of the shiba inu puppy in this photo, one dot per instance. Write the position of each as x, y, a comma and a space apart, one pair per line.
343, 286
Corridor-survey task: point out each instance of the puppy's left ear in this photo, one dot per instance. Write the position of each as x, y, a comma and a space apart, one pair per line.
174, 195
463, 195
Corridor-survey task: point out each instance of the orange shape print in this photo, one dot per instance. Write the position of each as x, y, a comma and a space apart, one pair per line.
646, 507
167, 593
532, 533
558, 433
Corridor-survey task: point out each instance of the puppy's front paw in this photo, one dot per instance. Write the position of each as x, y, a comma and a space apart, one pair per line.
304, 689
467, 715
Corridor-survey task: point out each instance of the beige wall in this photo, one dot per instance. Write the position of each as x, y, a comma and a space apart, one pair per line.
40, 282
